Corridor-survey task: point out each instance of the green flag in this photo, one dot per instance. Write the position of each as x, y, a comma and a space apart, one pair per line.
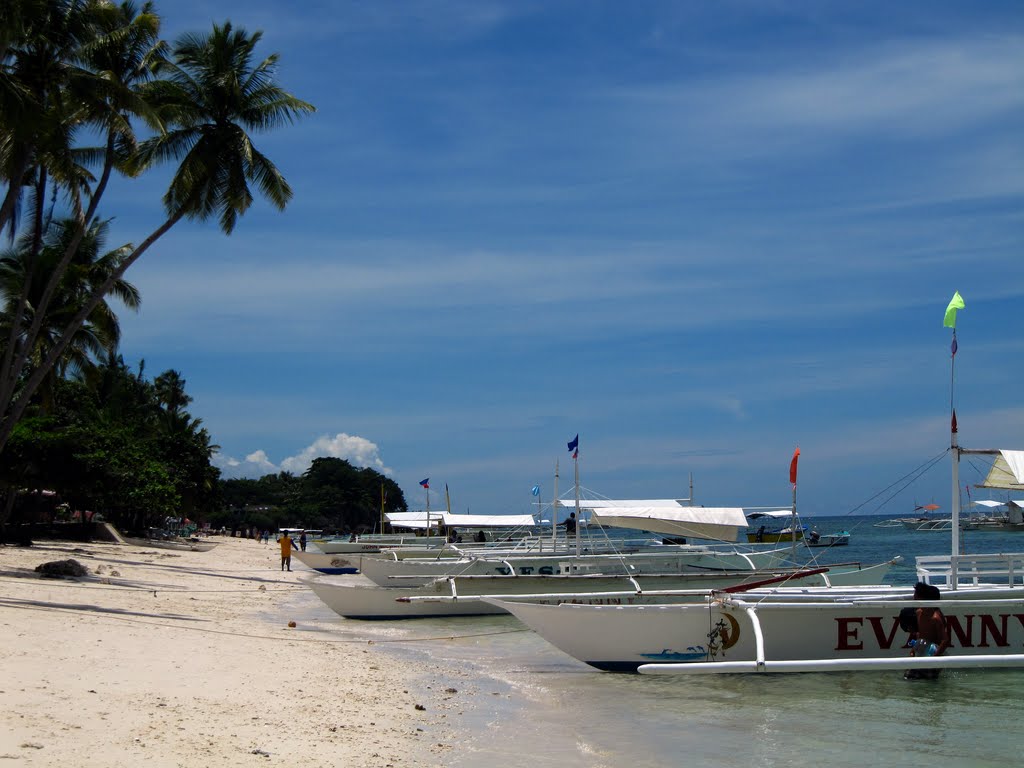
954, 304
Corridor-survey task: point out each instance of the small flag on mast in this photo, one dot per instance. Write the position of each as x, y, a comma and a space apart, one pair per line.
792, 467
949, 321
574, 446
535, 490
425, 483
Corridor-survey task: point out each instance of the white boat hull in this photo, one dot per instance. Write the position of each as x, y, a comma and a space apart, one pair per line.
390, 572
462, 596
329, 563
823, 624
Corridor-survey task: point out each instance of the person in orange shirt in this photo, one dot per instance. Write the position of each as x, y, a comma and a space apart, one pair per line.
286, 550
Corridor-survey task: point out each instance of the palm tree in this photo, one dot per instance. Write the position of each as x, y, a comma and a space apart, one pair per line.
170, 392
101, 332
67, 64
211, 92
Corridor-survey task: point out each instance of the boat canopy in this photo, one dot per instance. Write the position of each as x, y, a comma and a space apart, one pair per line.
1007, 472
487, 521
778, 513
667, 516
418, 520
992, 503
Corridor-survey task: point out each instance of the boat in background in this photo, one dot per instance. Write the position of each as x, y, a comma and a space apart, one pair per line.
926, 522
815, 539
793, 532
1001, 515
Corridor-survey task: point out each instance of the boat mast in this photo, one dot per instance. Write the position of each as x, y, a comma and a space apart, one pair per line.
554, 512
949, 321
955, 504
792, 480
576, 467
955, 304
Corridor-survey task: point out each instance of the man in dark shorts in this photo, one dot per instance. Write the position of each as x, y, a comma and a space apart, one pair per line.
929, 632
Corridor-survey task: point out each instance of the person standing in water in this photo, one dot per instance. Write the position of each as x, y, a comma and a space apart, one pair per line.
929, 632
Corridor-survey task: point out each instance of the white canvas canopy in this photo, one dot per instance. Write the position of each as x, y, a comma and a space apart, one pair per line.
416, 520
778, 514
1007, 472
668, 516
487, 521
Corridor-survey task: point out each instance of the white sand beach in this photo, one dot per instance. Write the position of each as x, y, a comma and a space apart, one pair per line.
178, 658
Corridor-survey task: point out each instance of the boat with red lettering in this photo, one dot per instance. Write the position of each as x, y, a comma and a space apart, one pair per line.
777, 629
803, 629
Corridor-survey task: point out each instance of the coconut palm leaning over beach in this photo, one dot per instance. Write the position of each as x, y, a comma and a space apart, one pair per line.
106, 70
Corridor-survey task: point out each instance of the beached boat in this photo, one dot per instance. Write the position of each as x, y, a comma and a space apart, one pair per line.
332, 564
790, 629
772, 630
671, 559
372, 543
165, 541
462, 595
571, 555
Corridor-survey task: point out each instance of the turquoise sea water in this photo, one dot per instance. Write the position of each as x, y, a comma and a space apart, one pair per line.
530, 705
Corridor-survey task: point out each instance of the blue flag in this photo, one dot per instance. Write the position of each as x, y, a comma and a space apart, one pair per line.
425, 483
535, 490
574, 446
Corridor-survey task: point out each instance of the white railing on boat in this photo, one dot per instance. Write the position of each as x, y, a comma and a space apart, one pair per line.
981, 569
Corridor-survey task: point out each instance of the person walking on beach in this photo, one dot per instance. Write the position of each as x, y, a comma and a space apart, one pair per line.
302, 541
286, 550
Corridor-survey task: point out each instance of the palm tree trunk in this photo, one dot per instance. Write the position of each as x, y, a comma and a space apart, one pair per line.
14, 357
19, 164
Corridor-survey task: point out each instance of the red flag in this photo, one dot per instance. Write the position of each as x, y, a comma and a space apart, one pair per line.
792, 467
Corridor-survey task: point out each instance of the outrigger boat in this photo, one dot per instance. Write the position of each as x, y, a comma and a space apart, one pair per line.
671, 519
787, 629
463, 595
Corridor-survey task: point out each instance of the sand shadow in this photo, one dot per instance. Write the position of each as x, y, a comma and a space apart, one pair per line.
13, 602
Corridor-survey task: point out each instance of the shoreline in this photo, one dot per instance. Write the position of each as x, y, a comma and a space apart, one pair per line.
181, 658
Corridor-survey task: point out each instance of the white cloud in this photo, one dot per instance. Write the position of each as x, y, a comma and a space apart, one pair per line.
358, 451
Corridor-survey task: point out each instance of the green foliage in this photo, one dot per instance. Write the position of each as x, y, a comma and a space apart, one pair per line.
75, 71
110, 446
331, 495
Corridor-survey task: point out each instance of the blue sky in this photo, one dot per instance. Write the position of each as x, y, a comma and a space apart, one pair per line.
697, 234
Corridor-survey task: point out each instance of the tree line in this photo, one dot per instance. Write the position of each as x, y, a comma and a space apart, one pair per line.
332, 495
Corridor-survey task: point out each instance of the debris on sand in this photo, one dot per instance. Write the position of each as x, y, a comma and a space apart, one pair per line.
60, 568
